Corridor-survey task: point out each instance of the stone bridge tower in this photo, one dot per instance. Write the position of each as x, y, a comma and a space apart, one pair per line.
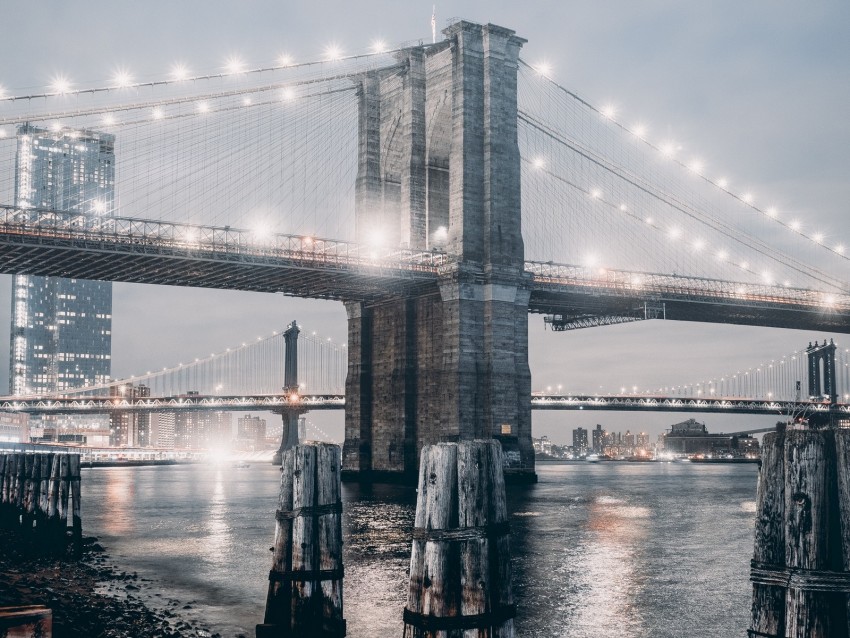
439, 169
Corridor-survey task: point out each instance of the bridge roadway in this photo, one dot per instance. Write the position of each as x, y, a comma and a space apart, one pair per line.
87, 246
309, 402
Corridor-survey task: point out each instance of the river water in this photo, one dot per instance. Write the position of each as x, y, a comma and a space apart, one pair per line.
599, 550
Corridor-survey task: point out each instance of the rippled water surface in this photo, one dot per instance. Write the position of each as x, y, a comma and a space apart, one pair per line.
599, 550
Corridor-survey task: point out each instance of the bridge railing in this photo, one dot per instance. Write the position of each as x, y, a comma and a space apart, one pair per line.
191, 238
620, 282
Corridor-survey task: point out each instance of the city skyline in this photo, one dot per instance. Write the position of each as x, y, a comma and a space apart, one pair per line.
705, 105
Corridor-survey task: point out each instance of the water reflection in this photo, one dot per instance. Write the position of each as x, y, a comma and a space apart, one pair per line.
598, 551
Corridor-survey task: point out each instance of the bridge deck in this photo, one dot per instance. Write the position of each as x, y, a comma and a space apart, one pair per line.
152, 252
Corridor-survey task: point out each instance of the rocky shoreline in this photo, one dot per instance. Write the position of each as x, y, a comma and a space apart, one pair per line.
89, 596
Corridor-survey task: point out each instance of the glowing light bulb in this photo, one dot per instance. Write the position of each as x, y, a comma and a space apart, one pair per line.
696, 166
591, 260
60, 85
795, 225
829, 300
649, 220
109, 119
287, 94
818, 237
608, 111
767, 277
723, 183
55, 127
246, 101
596, 193
699, 244
285, 60
747, 198
674, 233
3, 133
544, 69
158, 113
203, 107
623, 208
771, 211
539, 162
379, 46
640, 130
744, 265
668, 149
123, 79
840, 249
333, 53
233, 65
99, 206
179, 72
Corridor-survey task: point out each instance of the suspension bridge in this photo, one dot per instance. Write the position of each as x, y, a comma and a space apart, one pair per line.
462, 188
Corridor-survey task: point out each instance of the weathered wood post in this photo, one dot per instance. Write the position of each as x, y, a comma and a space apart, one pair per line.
76, 498
460, 579
806, 515
769, 599
54, 531
842, 455
305, 582
43, 497
3, 467
64, 484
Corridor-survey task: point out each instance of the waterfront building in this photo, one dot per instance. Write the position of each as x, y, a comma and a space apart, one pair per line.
580, 440
598, 439
129, 429
251, 433
14, 427
61, 334
692, 437
162, 426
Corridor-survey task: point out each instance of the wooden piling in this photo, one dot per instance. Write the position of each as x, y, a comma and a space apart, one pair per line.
769, 600
62, 526
842, 455
43, 496
76, 502
54, 532
305, 583
460, 583
814, 516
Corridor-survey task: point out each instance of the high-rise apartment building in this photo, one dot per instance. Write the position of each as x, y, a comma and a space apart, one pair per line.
580, 439
61, 335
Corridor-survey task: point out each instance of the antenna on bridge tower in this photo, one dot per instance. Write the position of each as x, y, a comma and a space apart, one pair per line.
434, 24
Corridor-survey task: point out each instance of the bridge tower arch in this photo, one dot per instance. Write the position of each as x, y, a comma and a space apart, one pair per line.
439, 169
822, 381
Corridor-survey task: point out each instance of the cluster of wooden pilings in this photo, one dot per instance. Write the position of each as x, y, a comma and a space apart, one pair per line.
801, 564
35, 493
460, 581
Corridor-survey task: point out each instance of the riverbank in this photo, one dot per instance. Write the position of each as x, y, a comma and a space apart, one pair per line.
90, 597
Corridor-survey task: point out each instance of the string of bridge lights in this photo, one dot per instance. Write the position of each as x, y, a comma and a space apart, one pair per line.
668, 149
313, 336
673, 233
61, 85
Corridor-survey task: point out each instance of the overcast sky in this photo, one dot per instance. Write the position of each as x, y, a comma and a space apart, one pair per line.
760, 87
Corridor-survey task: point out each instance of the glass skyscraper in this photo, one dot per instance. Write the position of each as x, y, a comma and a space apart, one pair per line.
61, 335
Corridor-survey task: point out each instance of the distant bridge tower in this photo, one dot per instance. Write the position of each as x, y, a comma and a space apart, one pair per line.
289, 435
439, 169
822, 381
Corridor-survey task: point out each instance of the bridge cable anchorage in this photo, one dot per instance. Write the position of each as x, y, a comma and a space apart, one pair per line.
638, 133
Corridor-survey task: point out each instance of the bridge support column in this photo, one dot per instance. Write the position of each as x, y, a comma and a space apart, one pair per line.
440, 170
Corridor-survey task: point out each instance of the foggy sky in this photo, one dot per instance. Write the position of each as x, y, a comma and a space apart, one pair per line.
759, 88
